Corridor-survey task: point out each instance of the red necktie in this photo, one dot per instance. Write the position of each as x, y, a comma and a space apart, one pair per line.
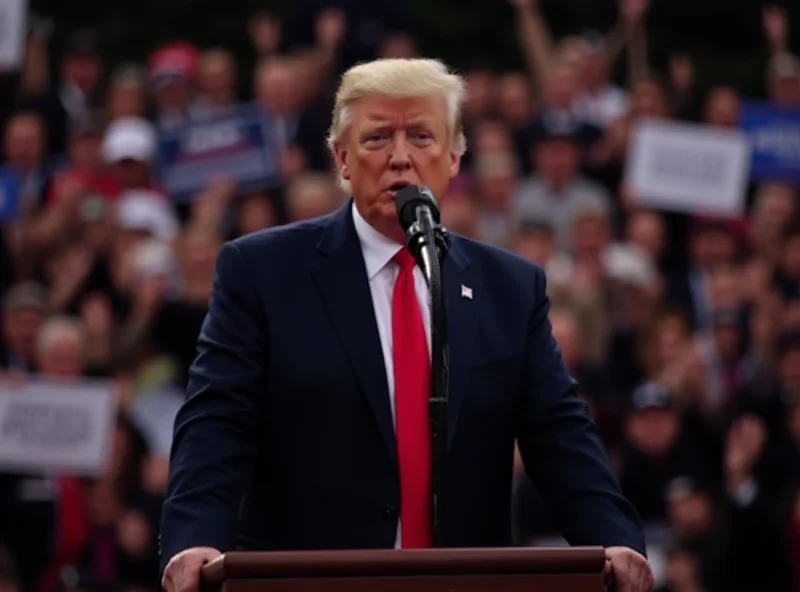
412, 379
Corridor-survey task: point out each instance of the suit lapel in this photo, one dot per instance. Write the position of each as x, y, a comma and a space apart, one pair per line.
461, 327
341, 277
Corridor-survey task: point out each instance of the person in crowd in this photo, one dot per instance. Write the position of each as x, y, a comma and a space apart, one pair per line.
679, 327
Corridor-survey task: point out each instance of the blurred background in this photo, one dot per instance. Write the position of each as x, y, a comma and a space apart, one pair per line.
646, 154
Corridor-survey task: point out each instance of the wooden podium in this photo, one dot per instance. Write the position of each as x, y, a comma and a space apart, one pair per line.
573, 569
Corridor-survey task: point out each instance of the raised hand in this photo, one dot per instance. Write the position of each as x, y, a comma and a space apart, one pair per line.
776, 25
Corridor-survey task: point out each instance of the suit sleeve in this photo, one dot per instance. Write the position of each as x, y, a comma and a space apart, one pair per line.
214, 443
561, 446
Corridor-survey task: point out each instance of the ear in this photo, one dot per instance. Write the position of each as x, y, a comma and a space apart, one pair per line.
455, 164
340, 155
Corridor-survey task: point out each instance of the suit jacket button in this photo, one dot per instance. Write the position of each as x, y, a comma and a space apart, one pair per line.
390, 512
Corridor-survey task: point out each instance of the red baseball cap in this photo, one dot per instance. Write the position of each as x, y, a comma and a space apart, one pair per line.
177, 59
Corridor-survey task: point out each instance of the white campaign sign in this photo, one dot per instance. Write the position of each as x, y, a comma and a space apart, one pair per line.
688, 168
53, 426
13, 22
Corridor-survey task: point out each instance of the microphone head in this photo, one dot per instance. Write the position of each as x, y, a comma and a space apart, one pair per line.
407, 200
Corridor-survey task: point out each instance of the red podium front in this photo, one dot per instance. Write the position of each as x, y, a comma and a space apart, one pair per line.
572, 569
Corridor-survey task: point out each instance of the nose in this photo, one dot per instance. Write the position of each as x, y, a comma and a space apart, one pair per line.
400, 158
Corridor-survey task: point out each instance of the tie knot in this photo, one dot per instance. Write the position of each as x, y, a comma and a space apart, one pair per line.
405, 259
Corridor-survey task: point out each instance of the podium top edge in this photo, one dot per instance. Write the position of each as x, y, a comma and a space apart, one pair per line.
402, 562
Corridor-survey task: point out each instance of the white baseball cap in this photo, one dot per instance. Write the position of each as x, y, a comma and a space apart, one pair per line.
129, 138
148, 211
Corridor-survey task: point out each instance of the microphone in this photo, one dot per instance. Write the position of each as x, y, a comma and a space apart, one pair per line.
428, 241
418, 214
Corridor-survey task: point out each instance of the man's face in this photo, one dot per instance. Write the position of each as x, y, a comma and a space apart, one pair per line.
85, 150
218, 81
712, 247
786, 90
63, 359
561, 87
536, 246
591, 236
558, 160
83, 71
595, 69
130, 173
277, 89
480, 93
653, 431
497, 188
646, 231
648, 100
173, 94
722, 108
391, 142
22, 329
24, 142
460, 215
691, 514
256, 213
516, 101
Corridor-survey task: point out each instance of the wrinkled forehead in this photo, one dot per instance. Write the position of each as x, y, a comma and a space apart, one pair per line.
398, 112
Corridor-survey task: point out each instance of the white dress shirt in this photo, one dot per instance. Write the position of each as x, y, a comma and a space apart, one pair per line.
603, 108
382, 274
73, 99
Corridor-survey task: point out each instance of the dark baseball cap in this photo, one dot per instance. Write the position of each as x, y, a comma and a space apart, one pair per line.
82, 43
554, 125
25, 295
650, 395
559, 128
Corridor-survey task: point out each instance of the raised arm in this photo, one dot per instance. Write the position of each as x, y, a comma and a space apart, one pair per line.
535, 40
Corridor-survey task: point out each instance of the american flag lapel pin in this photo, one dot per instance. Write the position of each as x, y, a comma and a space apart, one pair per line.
466, 292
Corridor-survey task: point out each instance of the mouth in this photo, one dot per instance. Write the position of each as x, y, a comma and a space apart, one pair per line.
395, 187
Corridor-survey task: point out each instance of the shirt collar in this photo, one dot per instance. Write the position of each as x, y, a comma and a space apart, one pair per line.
378, 249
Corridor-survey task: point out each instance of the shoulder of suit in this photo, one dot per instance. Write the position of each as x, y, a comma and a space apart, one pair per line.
495, 258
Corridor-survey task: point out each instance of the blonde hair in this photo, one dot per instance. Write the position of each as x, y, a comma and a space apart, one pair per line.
401, 78
60, 326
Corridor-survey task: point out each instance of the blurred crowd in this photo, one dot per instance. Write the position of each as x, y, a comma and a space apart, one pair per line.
683, 331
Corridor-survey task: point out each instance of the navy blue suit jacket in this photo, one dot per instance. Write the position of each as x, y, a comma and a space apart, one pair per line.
285, 439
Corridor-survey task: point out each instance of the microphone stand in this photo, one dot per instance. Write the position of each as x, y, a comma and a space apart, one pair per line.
429, 242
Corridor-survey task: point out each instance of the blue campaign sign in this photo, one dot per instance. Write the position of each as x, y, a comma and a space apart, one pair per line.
238, 143
774, 134
10, 186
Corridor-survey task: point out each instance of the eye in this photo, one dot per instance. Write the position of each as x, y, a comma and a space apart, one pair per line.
376, 137
421, 135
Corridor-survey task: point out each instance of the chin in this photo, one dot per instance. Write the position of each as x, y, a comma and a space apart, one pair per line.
385, 220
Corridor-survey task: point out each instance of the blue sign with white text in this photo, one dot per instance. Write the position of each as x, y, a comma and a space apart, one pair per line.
774, 134
237, 143
10, 186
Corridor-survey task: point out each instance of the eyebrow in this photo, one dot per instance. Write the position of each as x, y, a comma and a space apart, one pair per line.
379, 123
420, 122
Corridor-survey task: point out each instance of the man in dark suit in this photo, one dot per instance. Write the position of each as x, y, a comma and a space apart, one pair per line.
305, 426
